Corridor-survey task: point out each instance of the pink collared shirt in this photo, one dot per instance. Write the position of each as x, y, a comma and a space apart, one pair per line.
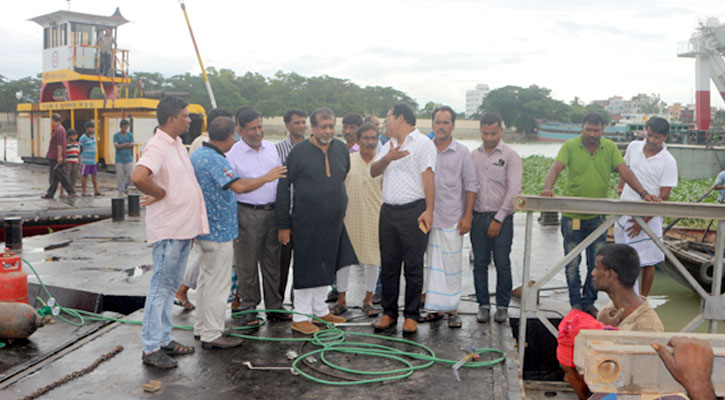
181, 214
499, 177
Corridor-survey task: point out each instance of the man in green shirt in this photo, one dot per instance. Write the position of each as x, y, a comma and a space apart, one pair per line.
590, 160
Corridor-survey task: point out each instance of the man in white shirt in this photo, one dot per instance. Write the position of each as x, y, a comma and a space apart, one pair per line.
407, 163
656, 169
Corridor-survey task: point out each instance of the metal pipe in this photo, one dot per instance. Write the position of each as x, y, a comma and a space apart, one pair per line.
695, 323
671, 257
525, 291
717, 273
198, 56
584, 205
601, 229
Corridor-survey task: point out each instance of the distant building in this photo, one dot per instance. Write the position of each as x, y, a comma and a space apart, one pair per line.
676, 112
475, 97
615, 105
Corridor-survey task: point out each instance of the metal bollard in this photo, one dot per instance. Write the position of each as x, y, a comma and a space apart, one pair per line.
134, 205
117, 209
14, 233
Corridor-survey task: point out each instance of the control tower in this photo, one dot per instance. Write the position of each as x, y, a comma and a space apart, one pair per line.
79, 53
85, 77
707, 47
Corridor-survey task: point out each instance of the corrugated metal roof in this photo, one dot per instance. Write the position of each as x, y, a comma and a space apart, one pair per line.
69, 16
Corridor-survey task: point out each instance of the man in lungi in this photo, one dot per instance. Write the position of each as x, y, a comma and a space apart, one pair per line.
656, 169
455, 192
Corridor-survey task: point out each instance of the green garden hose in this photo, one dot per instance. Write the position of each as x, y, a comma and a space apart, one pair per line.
330, 340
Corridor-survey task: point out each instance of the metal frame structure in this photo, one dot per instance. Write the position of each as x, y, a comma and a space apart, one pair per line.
713, 304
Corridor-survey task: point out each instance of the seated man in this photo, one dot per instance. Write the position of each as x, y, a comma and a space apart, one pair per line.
615, 272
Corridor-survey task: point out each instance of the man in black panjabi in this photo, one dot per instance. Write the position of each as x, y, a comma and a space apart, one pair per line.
316, 170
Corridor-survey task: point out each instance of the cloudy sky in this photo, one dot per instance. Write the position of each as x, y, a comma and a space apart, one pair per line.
432, 50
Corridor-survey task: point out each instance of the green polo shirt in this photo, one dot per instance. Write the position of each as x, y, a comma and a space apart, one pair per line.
588, 174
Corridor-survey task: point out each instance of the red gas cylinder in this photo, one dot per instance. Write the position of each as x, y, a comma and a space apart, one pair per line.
13, 280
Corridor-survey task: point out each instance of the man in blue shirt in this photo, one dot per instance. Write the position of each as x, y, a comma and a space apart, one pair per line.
123, 142
216, 177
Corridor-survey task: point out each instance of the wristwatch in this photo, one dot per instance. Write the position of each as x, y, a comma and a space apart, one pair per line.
643, 194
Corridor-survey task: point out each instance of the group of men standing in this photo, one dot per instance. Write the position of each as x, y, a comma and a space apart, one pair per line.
328, 204
256, 205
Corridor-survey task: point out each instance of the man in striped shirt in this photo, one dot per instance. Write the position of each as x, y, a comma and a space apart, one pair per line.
295, 120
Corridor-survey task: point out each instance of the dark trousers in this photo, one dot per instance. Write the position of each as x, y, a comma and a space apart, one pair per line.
58, 175
587, 295
483, 247
402, 242
257, 250
285, 258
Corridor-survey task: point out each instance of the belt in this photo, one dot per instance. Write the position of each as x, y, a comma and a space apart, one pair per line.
485, 213
268, 206
406, 205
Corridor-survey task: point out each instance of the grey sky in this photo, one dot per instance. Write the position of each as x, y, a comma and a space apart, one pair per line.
433, 50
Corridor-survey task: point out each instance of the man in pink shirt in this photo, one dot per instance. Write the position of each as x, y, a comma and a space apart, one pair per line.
175, 214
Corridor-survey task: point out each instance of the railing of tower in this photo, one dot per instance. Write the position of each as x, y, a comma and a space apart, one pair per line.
712, 304
87, 56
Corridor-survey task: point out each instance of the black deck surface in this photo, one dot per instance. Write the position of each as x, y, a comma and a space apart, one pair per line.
219, 374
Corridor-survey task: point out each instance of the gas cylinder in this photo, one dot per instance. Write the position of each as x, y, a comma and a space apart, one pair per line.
18, 320
13, 280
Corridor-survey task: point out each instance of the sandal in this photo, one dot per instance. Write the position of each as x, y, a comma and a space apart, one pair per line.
186, 304
249, 319
430, 317
175, 348
338, 309
159, 359
454, 321
98, 194
370, 310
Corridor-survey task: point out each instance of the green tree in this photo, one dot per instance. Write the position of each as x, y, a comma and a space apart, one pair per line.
523, 107
427, 110
28, 89
654, 105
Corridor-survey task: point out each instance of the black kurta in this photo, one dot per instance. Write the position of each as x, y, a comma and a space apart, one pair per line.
320, 241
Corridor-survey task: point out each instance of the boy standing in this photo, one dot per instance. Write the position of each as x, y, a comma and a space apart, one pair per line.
123, 142
88, 158
72, 151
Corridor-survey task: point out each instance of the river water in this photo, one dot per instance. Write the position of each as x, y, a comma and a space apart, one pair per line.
675, 304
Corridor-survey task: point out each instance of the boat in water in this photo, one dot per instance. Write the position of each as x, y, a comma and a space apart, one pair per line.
550, 131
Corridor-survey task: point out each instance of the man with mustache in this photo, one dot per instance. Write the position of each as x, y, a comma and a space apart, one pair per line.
350, 124
316, 172
590, 159
499, 173
252, 157
407, 163
455, 193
